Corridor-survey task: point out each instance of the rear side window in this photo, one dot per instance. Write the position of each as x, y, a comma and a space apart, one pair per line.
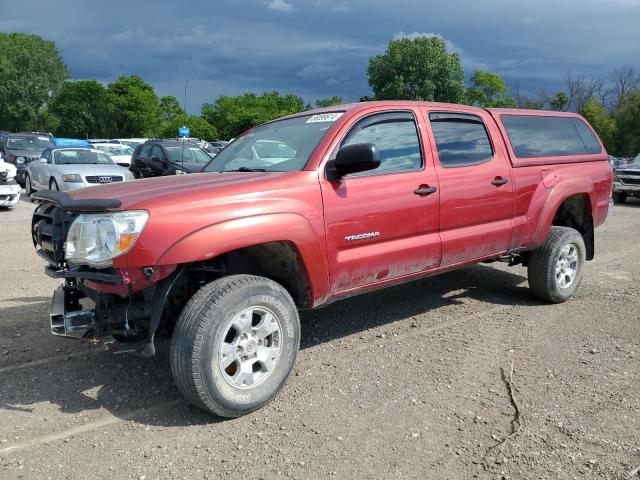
535, 136
461, 139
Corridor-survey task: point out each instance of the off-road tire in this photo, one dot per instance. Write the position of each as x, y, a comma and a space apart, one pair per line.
200, 329
542, 265
619, 197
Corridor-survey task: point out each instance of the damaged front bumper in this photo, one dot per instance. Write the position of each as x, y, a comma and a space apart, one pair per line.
121, 325
9, 195
70, 323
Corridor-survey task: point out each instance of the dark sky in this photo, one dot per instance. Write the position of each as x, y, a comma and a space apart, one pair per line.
320, 48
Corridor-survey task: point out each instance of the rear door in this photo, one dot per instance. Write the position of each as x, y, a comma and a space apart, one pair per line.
476, 186
379, 225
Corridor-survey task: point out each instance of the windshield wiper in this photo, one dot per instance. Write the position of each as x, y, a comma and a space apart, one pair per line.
247, 169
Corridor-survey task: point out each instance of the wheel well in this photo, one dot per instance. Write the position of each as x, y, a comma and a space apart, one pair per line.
279, 261
575, 212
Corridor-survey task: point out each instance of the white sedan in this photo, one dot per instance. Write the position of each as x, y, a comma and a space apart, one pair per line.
121, 154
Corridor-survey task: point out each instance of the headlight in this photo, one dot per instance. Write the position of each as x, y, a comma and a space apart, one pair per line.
96, 239
72, 178
19, 160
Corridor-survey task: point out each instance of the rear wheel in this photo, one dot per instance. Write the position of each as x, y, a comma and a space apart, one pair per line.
555, 269
619, 197
235, 344
53, 185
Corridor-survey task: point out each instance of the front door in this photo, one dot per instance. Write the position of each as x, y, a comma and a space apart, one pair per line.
476, 188
383, 224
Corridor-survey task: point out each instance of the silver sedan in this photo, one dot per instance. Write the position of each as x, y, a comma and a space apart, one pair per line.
70, 168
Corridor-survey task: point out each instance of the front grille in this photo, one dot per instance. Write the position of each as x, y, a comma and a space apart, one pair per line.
103, 179
629, 173
49, 228
630, 181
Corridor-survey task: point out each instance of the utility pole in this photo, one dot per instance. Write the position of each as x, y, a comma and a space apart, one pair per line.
184, 105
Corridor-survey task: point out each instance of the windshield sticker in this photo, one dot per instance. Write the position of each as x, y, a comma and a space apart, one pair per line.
325, 117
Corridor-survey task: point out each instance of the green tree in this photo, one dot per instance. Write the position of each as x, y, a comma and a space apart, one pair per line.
627, 118
31, 69
418, 69
81, 110
329, 102
198, 127
559, 102
600, 120
233, 115
134, 108
489, 90
170, 107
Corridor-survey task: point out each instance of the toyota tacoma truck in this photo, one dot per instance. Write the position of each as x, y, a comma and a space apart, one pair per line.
350, 199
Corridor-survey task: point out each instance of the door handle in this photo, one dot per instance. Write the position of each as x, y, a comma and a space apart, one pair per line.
424, 191
499, 181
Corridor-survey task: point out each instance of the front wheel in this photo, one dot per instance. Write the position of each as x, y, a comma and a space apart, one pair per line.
235, 344
28, 187
619, 197
555, 269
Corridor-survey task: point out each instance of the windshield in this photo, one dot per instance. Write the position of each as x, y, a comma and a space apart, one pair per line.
116, 149
35, 143
187, 154
280, 146
78, 157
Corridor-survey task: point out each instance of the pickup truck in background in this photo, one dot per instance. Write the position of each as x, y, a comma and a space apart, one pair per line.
358, 197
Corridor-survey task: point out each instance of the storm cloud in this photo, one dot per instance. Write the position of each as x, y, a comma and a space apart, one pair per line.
320, 48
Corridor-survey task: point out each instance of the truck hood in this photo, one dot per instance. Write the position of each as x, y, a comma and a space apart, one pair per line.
144, 192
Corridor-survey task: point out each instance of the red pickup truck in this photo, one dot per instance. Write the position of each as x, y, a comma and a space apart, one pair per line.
308, 209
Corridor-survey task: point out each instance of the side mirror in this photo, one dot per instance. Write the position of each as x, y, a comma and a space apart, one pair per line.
359, 157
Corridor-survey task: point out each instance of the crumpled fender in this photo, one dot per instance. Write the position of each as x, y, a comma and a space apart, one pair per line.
219, 238
560, 191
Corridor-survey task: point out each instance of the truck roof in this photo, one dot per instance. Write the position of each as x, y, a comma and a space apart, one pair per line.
354, 107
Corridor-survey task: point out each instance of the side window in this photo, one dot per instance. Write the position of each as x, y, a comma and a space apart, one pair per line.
157, 152
145, 150
540, 136
396, 137
461, 139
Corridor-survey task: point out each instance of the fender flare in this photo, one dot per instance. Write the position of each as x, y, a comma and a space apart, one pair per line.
219, 238
559, 193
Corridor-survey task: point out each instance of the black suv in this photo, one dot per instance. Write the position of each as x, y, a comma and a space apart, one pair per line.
20, 149
160, 157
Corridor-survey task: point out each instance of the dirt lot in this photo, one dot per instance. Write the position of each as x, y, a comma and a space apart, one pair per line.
402, 383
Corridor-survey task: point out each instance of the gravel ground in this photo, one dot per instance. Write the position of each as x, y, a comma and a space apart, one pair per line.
402, 383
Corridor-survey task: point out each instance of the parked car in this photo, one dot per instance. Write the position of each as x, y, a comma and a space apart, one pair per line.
376, 194
132, 142
119, 153
167, 157
9, 189
626, 181
70, 142
19, 149
70, 168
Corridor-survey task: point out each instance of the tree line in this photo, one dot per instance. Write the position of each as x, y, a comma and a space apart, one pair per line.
37, 94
